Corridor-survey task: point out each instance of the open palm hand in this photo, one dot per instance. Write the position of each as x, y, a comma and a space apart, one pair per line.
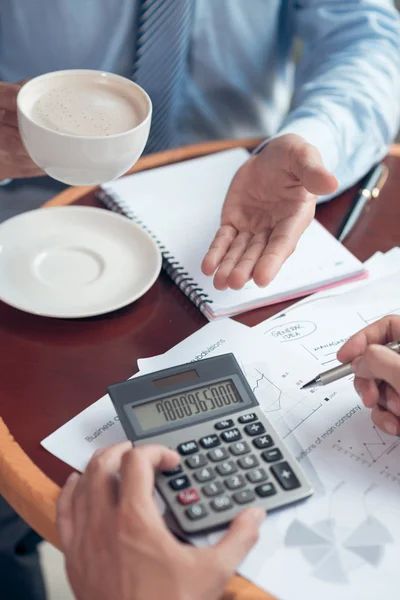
269, 204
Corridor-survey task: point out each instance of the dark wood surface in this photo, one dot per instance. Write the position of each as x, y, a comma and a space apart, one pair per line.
52, 369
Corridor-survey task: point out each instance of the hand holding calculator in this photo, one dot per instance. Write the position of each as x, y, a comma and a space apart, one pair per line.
231, 455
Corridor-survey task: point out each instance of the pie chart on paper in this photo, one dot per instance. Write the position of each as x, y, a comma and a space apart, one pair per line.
333, 552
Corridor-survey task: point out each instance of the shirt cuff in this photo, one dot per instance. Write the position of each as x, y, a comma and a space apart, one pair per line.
315, 132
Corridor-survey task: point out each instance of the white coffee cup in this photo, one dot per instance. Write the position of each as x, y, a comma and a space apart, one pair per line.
77, 125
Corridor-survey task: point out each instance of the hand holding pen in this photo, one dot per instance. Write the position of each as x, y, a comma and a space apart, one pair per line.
376, 367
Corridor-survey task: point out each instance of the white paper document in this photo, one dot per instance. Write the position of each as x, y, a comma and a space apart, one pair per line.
344, 541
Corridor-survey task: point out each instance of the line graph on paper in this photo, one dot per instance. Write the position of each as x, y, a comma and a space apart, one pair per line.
361, 442
286, 410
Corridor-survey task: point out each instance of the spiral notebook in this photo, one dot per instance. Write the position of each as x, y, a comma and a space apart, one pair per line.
180, 206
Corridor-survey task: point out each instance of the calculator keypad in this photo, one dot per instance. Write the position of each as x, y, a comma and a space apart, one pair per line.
257, 475
248, 462
255, 429
205, 474
284, 474
265, 441
188, 496
210, 441
226, 424
221, 503
231, 436
234, 482
188, 448
180, 483
239, 464
196, 461
213, 489
272, 455
226, 468
239, 448
197, 511
218, 454
244, 496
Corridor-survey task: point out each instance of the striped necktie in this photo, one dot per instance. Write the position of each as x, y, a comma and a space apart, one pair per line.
163, 36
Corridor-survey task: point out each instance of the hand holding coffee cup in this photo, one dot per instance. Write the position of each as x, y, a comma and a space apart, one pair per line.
83, 127
15, 162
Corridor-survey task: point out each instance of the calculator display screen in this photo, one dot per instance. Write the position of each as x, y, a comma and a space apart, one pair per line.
209, 400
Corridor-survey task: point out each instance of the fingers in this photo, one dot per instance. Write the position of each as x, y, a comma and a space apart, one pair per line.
8, 117
242, 272
381, 332
231, 260
100, 475
8, 96
218, 248
385, 420
238, 541
379, 362
306, 164
64, 518
15, 162
368, 391
281, 244
137, 472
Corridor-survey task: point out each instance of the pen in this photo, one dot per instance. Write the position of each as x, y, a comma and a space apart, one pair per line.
340, 371
371, 186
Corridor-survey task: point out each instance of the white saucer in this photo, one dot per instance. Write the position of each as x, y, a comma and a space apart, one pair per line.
74, 261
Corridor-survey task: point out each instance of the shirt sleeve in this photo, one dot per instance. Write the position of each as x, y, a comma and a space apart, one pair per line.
347, 93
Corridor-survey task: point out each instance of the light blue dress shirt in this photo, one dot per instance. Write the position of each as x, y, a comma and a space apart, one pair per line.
241, 74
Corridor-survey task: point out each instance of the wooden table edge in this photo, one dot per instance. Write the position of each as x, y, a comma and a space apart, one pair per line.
27, 489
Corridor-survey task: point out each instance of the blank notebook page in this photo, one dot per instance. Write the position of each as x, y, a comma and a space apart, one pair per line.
181, 205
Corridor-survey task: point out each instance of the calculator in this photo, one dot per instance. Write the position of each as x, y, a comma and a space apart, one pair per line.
231, 456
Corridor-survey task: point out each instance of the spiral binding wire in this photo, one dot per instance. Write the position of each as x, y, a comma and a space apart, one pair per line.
171, 266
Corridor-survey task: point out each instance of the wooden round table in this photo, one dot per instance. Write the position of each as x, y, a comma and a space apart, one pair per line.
53, 369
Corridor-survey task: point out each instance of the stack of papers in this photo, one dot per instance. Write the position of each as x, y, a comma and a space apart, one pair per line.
345, 540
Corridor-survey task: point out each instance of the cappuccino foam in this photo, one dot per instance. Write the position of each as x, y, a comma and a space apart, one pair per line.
85, 108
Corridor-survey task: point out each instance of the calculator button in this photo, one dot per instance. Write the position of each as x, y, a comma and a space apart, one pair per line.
175, 471
209, 441
266, 489
239, 448
221, 503
231, 436
188, 496
248, 462
224, 424
204, 474
226, 468
213, 489
244, 496
180, 483
234, 482
284, 474
247, 418
272, 455
196, 461
196, 512
257, 475
218, 454
255, 428
188, 448
265, 441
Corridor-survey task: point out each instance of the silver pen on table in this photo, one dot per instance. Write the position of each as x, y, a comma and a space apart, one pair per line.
340, 371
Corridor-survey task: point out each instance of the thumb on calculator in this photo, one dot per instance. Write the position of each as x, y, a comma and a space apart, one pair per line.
241, 536
116, 544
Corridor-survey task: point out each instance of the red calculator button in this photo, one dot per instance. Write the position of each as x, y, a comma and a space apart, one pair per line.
188, 496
